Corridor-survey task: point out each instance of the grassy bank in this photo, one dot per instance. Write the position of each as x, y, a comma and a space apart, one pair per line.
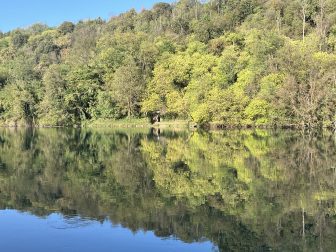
136, 123
164, 124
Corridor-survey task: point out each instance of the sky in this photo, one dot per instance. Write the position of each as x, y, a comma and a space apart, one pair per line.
23, 13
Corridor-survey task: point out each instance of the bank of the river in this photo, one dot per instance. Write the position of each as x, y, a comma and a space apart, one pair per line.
164, 124
124, 123
137, 123
215, 125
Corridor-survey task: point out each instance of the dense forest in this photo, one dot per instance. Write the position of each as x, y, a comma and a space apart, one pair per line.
244, 190
233, 62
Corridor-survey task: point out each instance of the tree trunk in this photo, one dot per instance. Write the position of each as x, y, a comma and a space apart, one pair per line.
196, 9
129, 109
322, 25
303, 22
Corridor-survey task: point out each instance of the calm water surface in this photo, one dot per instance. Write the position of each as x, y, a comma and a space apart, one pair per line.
115, 190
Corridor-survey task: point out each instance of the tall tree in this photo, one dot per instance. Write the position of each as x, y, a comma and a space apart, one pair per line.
128, 86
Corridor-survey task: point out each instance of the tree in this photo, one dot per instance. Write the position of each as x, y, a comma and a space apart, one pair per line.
127, 86
19, 39
309, 80
66, 27
80, 98
52, 111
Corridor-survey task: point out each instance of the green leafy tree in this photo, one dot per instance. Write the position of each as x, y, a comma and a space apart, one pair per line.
127, 87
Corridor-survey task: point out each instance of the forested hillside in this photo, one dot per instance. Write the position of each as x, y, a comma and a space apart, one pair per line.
235, 62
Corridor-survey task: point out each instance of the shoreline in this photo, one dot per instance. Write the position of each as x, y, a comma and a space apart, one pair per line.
173, 124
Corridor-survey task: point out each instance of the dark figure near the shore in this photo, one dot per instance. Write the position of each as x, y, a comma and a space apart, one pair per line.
155, 117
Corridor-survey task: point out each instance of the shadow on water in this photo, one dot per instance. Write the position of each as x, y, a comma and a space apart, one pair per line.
247, 190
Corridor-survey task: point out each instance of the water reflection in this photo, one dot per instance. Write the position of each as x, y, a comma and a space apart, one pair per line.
70, 222
251, 190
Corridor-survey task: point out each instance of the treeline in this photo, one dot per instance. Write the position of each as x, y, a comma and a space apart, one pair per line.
235, 62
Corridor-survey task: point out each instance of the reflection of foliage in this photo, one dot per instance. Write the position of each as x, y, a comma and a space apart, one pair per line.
243, 190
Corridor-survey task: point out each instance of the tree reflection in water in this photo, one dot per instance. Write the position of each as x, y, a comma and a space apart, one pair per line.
250, 190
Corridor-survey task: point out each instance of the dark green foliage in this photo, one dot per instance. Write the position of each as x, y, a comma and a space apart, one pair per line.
19, 39
66, 27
